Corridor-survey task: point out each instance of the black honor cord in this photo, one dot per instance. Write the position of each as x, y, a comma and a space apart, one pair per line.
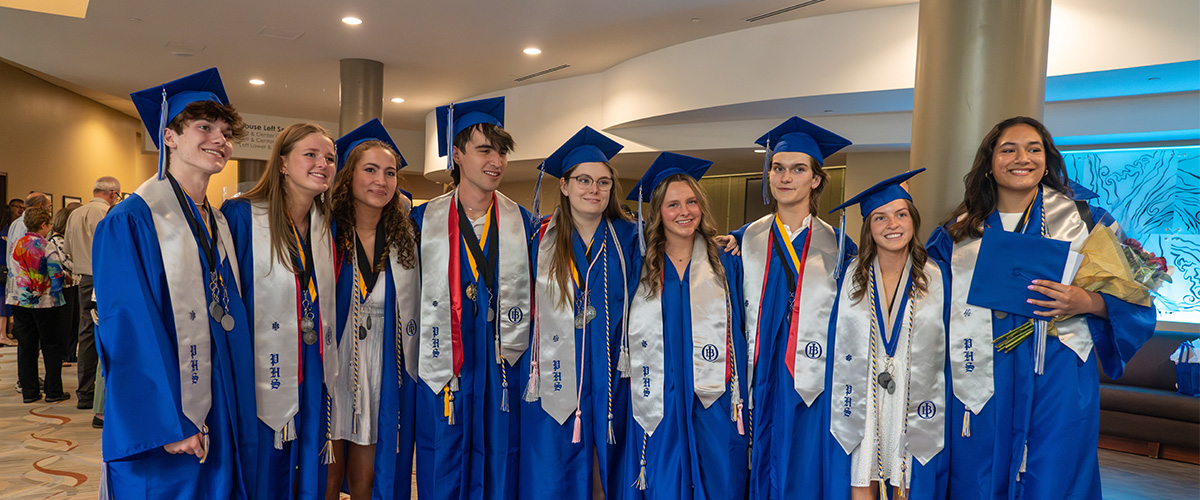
365, 268
791, 275
468, 233
305, 268
207, 244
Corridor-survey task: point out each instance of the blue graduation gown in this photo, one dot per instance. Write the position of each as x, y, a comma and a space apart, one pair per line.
136, 341
394, 445
297, 467
1056, 414
695, 452
477, 457
546, 446
792, 453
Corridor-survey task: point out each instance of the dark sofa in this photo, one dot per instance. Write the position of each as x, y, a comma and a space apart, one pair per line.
1142, 413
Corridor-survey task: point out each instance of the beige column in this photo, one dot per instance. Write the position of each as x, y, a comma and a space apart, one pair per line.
978, 62
361, 93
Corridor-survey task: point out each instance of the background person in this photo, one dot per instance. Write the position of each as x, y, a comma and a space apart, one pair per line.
70, 332
38, 308
80, 234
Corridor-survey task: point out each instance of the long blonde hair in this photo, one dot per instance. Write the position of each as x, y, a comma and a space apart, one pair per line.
564, 223
656, 238
271, 189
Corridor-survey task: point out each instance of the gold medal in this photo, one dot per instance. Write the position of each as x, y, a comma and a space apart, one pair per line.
472, 291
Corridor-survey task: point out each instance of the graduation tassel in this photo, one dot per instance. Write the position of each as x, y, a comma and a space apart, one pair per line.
577, 435
641, 478
162, 126
837, 271
537, 192
503, 386
612, 437
533, 386
966, 424
204, 443
641, 226
326, 454
741, 427
766, 184
1039, 360
882, 488
448, 398
450, 137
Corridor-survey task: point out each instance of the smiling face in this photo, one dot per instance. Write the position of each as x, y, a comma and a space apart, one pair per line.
1019, 159
308, 168
590, 200
680, 210
202, 145
374, 182
892, 226
481, 164
793, 178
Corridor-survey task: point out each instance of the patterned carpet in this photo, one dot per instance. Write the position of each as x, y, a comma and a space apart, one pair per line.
47, 450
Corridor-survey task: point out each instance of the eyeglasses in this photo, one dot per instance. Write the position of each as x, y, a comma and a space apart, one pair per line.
585, 181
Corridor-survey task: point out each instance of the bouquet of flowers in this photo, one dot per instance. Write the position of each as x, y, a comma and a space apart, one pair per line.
1120, 268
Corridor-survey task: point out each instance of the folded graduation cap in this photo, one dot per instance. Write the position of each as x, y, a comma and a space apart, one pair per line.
797, 135
370, 131
1006, 266
160, 104
456, 117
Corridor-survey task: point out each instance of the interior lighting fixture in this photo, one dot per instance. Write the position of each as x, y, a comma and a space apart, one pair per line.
760, 151
533, 51
256, 81
397, 100
351, 20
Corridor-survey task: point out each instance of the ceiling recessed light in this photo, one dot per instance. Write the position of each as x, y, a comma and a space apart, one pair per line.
351, 20
397, 100
760, 151
533, 51
829, 111
256, 81
695, 19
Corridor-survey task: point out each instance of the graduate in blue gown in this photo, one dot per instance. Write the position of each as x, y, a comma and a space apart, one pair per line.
576, 407
173, 335
474, 323
285, 255
889, 403
1015, 433
687, 437
788, 278
378, 284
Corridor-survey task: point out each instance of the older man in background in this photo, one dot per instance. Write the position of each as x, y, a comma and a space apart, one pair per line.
81, 229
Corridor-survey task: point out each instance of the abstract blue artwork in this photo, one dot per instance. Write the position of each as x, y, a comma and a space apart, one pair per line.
1154, 193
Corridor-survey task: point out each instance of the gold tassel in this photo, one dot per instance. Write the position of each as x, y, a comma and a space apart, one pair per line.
966, 432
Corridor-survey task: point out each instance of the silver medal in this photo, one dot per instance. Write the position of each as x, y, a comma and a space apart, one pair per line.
368, 322
307, 325
310, 337
886, 381
215, 310
362, 332
591, 313
227, 322
491, 315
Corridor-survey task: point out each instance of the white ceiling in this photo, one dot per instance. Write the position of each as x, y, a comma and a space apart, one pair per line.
433, 51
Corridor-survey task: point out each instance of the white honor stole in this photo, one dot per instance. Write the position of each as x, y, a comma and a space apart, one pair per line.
187, 290
440, 362
815, 296
970, 350
553, 361
711, 340
925, 381
277, 322
407, 283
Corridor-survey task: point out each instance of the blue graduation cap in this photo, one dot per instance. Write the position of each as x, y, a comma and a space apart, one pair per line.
797, 135
406, 194
585, 146
880, 194
160, 104
370, 131
666, 165
1012, 261
456, 117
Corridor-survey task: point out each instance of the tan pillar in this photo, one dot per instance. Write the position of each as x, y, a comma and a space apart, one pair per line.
978, 62
361, 93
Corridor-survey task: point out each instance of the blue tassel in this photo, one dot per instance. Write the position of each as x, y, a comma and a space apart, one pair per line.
537, 193
766, 183
162, 147
450, 138
641, 229
837, 271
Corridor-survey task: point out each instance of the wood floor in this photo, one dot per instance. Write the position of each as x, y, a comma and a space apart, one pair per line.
51, 451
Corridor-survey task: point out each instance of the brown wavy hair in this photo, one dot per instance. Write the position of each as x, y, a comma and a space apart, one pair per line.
211, 111
271, 189
656, 238
564, 223
496, 136
867, 252
398, 230
814, 196
979, 198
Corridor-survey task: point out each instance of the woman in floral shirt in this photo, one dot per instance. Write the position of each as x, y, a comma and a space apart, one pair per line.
38, 302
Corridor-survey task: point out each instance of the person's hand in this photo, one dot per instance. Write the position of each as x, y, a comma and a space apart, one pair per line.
729, 243
192, 446
1067, 300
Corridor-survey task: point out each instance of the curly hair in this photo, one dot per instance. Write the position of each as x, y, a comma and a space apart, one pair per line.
398, 230
980, 197
867, 250
656, 238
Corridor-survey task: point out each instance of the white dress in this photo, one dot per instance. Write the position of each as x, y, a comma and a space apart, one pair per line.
888, 432
370, 358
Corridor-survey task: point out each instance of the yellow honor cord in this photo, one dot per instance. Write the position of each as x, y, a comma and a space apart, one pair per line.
787, 242
487, 224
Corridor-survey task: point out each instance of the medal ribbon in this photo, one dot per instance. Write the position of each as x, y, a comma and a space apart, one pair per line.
797, 287
890, 341
304, 282
480, 262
